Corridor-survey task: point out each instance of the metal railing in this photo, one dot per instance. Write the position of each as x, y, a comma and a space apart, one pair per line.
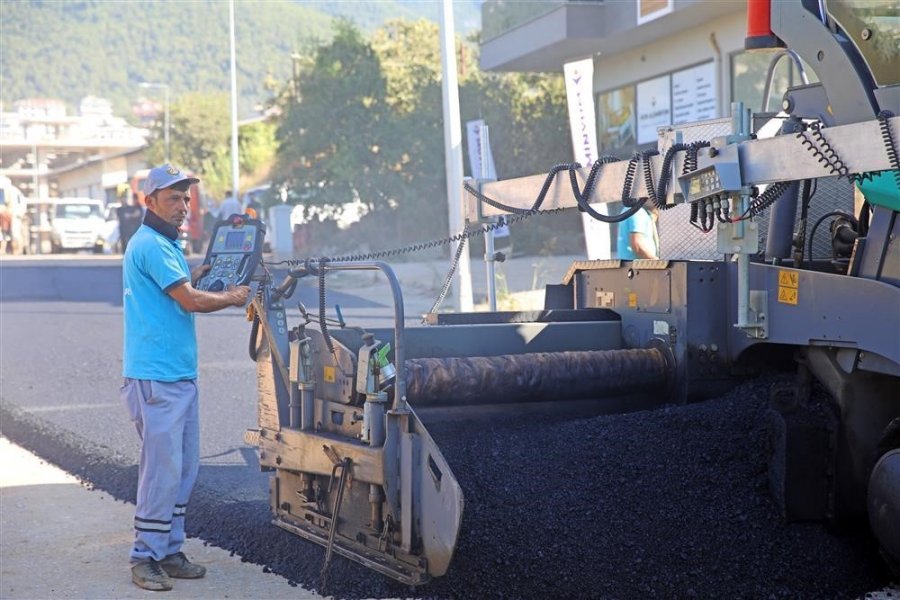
500, 16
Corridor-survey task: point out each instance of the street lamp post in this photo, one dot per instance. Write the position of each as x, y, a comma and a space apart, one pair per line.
165, 88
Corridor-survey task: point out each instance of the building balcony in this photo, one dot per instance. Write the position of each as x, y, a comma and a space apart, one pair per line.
543, 36
501, 16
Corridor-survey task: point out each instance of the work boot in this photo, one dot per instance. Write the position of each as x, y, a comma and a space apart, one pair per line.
150, 575
177, 565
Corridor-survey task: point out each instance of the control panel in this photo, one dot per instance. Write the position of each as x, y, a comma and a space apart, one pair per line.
235, 249
719, 178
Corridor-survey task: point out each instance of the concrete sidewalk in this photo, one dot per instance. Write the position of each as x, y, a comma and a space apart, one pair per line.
519, 283
59, 539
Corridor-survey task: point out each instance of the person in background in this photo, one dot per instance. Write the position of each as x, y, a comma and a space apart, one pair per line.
209, 219
253, 205
130, 215
159, 364
638, 237
230, 206
5, 229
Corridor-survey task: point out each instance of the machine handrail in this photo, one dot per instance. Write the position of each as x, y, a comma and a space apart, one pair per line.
400, 404
771, 73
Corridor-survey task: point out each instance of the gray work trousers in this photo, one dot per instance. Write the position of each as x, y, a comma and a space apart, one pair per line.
166, 415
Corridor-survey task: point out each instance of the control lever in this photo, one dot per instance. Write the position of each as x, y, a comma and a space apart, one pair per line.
286, 288
313, 318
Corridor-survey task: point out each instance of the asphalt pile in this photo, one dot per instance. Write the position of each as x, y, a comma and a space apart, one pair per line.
670, 503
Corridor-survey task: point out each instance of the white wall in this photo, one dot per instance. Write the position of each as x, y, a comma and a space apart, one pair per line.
684, 49
93, 179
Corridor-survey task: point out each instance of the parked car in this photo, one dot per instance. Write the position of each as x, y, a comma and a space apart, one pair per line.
76, 224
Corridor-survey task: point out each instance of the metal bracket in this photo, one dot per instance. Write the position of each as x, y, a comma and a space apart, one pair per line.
758, 326
738, 238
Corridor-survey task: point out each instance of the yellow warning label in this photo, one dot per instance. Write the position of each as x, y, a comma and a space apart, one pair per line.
632, 300
790, 279
329, 374
787, 295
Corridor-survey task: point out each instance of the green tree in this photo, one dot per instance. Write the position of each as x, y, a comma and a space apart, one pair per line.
200, 141
337, 141
258, 147
367, 125
199, 136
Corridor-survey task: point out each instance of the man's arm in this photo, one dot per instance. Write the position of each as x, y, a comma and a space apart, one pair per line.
198, 272
198, 301
642, 245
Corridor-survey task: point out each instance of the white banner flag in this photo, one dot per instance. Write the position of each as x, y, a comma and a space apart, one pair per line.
474, 139
582, 122
481, 158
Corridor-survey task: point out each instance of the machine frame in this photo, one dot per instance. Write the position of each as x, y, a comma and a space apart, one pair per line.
356, 470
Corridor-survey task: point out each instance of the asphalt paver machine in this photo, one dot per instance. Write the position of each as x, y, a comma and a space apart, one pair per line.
356, 471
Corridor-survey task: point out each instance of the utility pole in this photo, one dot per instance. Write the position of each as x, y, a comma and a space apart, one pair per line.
462, 286
235, 166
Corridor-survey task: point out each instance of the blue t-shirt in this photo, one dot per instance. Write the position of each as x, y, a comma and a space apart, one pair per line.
639, 222
160, 339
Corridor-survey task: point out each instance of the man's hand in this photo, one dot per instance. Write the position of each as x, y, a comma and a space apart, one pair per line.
198, 272
193, 300
239, 293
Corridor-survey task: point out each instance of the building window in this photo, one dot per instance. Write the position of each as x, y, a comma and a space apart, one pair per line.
694, 94
615, 120
647, 10
654, 107
630, 115
748, 79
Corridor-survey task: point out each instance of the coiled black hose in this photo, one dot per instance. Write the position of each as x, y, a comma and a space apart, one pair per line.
766, 199
658, 196
581, 197
323, 322
889, 146
628, 182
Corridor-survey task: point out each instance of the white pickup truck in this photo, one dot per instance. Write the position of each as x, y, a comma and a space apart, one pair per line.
76, 224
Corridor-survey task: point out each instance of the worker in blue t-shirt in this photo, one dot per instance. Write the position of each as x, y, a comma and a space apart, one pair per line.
160, 368
638, 237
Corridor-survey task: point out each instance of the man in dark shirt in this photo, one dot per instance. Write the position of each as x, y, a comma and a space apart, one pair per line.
130, 215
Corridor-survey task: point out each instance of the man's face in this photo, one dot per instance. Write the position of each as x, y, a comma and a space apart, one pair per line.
170, 205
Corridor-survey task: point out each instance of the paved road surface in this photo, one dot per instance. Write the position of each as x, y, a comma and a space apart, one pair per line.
60, 357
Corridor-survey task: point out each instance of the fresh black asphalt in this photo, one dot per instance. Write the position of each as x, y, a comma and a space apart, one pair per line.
667, 504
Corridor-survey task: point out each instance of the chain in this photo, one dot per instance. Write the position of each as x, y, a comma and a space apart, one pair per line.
453, 265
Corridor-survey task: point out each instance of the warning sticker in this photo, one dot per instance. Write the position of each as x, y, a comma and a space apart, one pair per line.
329, 374
787, 295
632, 300
788, 287
790, 279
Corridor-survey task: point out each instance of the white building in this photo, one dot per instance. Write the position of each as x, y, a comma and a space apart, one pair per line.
47, 153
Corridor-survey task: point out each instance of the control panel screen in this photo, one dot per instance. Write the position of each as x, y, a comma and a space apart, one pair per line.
234, 240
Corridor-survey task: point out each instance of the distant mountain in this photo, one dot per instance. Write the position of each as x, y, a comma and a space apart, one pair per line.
72, 49
369, 14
